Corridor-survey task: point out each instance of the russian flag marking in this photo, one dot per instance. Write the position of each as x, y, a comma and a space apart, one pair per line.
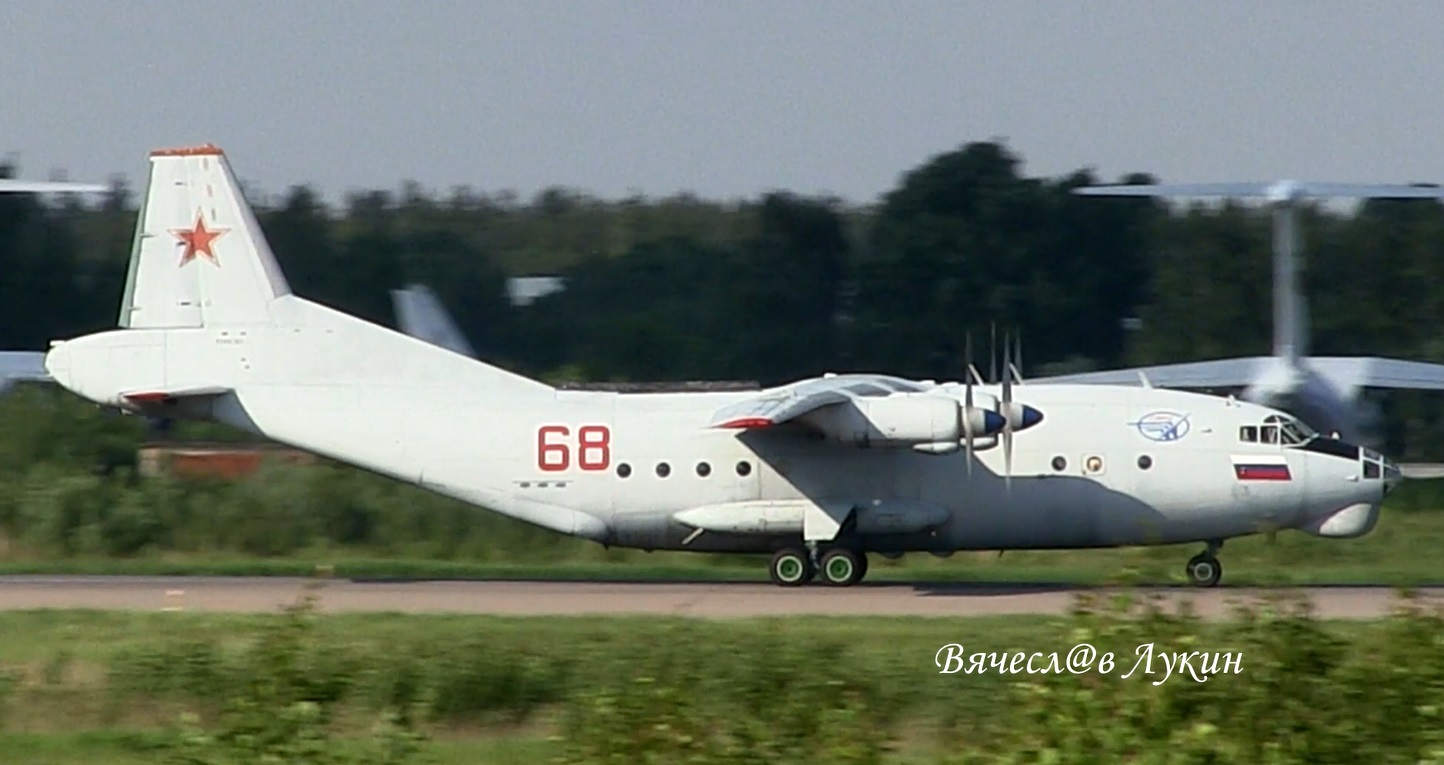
1261, 467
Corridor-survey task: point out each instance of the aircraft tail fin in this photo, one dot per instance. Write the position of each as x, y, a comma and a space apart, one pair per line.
200, 260
419, 313
198, 257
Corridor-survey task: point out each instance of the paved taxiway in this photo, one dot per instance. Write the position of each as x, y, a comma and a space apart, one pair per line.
531, 598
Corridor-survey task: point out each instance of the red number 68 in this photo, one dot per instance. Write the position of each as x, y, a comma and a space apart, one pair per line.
594, 448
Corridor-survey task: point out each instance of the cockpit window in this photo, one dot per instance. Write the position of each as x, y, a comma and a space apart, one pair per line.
1277, 429
1286, 430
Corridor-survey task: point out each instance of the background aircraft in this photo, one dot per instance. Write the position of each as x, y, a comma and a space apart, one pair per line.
13, 186
1324, 391
419, 314
19, 366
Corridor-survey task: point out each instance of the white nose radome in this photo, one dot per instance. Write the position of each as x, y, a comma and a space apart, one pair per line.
1349, 522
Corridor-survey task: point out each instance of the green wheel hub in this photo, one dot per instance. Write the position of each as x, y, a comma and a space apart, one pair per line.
790, 568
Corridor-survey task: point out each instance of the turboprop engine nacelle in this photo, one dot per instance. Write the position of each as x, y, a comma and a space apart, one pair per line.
924, 421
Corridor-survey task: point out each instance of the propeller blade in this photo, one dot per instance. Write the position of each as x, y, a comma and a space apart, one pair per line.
1007, 417
992, 351
1008, 458
967, 351
1018, 354
968, 447
966, 413
1007, 378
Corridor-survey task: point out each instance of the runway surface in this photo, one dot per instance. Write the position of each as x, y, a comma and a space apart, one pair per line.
534, 598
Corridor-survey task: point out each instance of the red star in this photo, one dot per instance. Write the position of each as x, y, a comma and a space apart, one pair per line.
198, 240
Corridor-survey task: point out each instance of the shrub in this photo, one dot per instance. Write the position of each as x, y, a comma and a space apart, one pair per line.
279, 708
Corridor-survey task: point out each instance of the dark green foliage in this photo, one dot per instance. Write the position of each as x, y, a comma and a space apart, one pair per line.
763, 705
784, 286
1302, 693
279, 701
649, 689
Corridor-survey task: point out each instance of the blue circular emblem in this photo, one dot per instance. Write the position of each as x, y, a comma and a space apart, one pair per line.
1162, 426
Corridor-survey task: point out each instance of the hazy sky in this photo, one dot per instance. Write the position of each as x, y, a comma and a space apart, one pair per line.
723, 98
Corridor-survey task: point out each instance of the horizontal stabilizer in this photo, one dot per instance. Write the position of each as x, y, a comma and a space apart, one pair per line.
23, 365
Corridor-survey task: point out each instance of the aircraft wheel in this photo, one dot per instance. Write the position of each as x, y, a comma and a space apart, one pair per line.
1204, 570
791, 567
841, 567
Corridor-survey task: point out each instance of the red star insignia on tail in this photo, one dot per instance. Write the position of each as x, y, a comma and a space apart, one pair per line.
198, 240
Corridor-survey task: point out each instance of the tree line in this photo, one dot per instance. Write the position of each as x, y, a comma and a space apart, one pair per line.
784, 285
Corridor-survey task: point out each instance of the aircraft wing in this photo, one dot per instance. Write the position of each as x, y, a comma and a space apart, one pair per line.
1347, 372
419, 313
21, 365
1273, 190
1374, 372
49, 187
1220, 373
779, 405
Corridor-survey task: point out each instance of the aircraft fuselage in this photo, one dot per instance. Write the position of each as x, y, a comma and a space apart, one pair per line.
1107, 466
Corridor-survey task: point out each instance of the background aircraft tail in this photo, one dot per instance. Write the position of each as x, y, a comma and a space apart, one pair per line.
198, 257
419, 313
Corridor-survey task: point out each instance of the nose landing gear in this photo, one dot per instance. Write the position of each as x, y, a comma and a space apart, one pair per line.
1203, 569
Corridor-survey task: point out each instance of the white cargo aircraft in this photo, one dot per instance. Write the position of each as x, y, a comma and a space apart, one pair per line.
1322, 390
818, 473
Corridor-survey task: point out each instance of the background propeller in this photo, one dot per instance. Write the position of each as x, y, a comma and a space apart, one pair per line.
992, 352
966, 413
1007, 416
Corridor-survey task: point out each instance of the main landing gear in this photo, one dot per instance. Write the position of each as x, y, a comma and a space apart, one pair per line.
839, 566
1203, 569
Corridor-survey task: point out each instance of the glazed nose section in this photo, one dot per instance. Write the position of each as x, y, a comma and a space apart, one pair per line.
1393, 476
1377, 467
